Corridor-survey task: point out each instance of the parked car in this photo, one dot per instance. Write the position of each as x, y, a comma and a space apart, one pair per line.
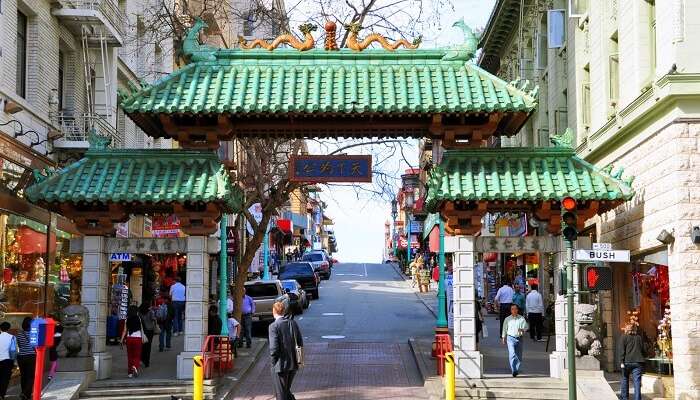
295, 296
302, 272
320, 262
264, 294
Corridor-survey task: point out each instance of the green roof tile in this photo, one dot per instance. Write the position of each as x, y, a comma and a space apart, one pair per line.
142, 176
530, 174
285, 81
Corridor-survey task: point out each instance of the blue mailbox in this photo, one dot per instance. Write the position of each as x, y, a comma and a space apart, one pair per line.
41, 332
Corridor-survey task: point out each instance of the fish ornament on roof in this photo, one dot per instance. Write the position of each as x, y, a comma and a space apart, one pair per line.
466, 50
193, 49
286, 38
565, 139
354, 44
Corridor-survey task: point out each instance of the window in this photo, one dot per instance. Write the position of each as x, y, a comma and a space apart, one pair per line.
652, 39
249, 24
586, 97
21, 76
614, 72
578, 8
542, 45
555, 29
61, 79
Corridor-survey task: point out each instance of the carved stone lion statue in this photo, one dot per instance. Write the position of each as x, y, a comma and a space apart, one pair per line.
587, 342
75, 341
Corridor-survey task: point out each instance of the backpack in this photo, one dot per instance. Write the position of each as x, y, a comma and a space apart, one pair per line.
162, 313
13, 348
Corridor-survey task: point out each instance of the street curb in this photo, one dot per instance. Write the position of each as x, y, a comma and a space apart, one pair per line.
227, 391
401, 275
396, 268
431, 382
426, 304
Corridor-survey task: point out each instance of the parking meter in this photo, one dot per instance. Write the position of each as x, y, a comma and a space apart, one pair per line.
41, 333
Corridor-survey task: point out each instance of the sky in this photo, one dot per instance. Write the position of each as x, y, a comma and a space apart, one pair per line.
359, 215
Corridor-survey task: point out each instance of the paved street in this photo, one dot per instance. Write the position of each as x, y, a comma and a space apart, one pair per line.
355, 340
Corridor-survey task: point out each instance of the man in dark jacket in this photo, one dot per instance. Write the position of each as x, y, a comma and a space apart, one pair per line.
632, 361
284, 337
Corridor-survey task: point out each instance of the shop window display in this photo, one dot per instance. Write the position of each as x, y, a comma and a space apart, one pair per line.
23, 255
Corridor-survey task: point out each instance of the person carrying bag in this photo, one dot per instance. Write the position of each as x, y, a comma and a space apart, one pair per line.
286, 351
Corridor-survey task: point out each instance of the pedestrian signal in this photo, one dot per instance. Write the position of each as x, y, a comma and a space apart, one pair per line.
598, 278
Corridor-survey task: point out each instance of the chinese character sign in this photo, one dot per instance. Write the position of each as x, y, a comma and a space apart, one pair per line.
341, 168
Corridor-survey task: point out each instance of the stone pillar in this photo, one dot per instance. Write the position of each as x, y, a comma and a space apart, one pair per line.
94, 295
197, 303
468, 359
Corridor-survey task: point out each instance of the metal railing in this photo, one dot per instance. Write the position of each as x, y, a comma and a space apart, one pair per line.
108, 8
77, 128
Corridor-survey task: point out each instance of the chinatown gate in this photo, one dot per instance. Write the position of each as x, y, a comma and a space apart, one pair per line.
308, 92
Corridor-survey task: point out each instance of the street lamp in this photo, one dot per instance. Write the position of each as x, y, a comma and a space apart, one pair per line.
394, 214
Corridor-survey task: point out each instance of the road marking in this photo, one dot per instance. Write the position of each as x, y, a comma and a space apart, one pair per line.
331, 314
333, 337
365, 265
300, 318
349, 274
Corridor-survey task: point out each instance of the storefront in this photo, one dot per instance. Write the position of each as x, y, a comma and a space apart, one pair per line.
643, 288
39, 275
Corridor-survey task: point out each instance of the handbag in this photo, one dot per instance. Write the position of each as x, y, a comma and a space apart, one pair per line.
298, 350
12, 351
144, 338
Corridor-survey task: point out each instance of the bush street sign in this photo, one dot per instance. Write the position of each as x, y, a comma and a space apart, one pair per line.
335, 168
602, 255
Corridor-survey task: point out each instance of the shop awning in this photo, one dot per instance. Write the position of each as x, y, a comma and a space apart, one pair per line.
285, 225
431, 221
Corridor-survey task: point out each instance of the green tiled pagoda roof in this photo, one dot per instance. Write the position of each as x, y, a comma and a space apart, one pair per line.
148, 176
517, 174
319, 81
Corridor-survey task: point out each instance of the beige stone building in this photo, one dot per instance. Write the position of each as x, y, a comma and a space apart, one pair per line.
625, 79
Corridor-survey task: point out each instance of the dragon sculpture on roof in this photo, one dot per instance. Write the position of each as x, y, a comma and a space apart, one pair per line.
287, 38
353, 43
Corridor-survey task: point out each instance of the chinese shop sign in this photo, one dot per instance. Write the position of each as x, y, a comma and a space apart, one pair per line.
321, 168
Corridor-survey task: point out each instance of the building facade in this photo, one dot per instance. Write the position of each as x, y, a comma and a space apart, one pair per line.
621, 74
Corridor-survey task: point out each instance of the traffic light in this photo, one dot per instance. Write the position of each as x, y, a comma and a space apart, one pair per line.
569, 219
598, 278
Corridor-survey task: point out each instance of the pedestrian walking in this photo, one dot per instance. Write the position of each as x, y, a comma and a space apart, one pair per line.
534, 307
148, 320
8, 353
247, 311
26, 360
214, 324
165, 313
178, 297
631, 349
134, 337
53, 354
518, 298
234, 332
514, 327
503, 300
284, 338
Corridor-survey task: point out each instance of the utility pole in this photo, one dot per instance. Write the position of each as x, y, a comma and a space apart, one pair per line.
223, 275
266, 249
570, 233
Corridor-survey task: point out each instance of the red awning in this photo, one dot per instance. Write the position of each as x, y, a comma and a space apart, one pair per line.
434, 240
285, 225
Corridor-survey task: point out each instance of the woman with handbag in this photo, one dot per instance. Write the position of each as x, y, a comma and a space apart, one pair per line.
148, 321
134, 337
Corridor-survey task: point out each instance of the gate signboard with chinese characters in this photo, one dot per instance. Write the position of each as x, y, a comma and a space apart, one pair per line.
517, 244
322, 168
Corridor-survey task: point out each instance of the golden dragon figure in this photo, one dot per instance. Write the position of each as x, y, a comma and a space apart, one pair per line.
353, 44
289, 39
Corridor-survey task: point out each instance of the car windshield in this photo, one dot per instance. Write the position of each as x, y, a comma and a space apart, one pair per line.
262, 290
296, 269
313, 257
289, 285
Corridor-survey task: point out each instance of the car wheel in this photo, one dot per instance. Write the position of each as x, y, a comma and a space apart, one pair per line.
314, 294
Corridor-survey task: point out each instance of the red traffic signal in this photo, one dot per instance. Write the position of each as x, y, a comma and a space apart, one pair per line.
568, 203
598, 278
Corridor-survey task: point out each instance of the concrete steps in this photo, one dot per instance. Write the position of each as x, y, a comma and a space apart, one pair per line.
156, 389
513, 388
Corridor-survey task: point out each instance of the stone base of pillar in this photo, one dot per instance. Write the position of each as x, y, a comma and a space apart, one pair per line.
103, 365
185, 363
469, 364
557, 364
